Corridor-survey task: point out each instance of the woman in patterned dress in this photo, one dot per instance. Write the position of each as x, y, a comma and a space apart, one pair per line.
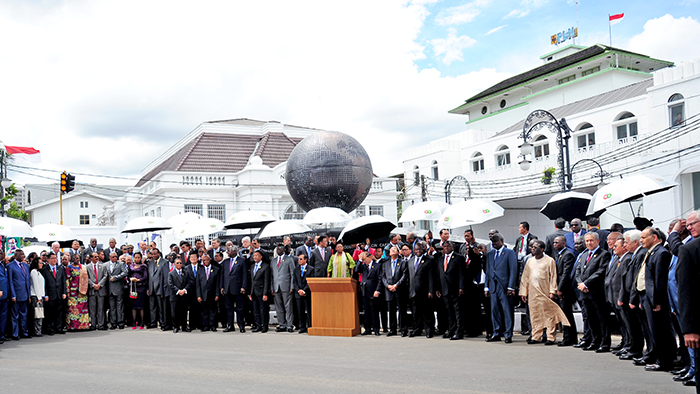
77, 316
138, 280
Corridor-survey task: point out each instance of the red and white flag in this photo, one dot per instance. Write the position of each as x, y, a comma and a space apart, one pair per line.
617, 18
23, 153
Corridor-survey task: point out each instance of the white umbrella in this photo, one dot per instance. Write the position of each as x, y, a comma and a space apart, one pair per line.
194, 228
145, 224
426, 210
280, 228
35, 248
183, 219
626, 190
249, 219
469, 212
372, 227
51, 232
10, 227
326, 215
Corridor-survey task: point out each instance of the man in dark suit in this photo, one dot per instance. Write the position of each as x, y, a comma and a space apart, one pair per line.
154, 287
55, 293
233, 286
501, 271
89, 250
371, 287
112, 248
394, 279
215, 248
688, 277
306, 248
302, 292
194, 307
590, 276
565, 291
165, 294
117, 271
75, 250
207, 287
571, 236
261, 279
179, 284
612, 273
20, 291
473, 294
320, 257
627, 276
185, 251
559, 224
421, 290
4, 295
594, 227
450, 269
624, 259
654, 299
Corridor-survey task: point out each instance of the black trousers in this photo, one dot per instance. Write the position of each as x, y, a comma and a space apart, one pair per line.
486, 323
595, 312
166, 316
423, 317
195, 311
567, 306
154, 310
178, 305
52, 315
208, 313
453, 314
635, 339
261, 311
235, 302
661, 334
470, 303
371, 307
442, 318
398, 305
304, 308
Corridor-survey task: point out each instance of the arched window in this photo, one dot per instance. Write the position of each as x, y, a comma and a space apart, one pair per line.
541, 147
625, 125
293, 212
434, 170
477, 162
676, 110
416, 175
502, 156
585, 136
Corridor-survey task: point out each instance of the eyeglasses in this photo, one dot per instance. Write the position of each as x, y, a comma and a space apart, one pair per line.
691, 224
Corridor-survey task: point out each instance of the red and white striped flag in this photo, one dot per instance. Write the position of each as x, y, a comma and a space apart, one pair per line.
617, 18
22, 153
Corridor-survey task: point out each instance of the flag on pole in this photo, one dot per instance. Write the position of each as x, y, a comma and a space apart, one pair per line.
22, 153
617, 18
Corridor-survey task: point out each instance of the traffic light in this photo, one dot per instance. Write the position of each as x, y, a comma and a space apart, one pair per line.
67, 182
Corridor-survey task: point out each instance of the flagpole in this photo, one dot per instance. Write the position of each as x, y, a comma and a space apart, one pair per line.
610, 30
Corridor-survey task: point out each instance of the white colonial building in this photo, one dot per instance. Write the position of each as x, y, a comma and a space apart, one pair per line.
631, 113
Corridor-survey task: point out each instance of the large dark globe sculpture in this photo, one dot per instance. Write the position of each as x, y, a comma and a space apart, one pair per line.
329, 169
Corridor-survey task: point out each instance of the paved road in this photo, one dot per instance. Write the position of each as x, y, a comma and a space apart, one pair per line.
154, 361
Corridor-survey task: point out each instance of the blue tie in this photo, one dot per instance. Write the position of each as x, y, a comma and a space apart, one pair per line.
393, 267
302, 270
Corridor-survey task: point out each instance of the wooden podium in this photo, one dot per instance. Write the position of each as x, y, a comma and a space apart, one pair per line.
334, 309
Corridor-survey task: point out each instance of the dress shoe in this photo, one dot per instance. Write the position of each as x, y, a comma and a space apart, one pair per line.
639, 362
494, 338
279, 329
264, 330
456, 337
242, 330
91, 329
25, 337
428, 334
204, 329
366, 332
112, 327
213, 329
121, 326
564, 344
590, 348
229, 329
618, 347
523, 333
531, 341
446, 335
603, 349
15, 338
186, 329
304, 331
549, 343
391, 333
628, 356
618, 352
411, 334
689, 383
2, 341
176, 330
61, 332
681, 372
509, 340
582, 344
152, 326
49, 333
377, 333
290, 329
254, 329
683, 378
657, 368
404, 334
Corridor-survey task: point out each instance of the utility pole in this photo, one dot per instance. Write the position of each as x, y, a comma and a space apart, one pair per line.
423, 189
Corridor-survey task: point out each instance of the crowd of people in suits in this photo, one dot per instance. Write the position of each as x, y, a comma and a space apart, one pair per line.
638, 282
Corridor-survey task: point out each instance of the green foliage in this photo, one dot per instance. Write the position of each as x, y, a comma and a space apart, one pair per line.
11, 208
548, 174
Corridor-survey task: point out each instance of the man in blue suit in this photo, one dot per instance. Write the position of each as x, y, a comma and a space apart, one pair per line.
20, 290
501, 274
4, 295
574, 234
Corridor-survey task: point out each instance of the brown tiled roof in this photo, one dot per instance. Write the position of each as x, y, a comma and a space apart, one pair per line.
214, 152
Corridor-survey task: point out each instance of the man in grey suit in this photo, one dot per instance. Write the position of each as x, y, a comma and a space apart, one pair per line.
116, 270
282, 276
154, 284
97, 291
320, 256
306, 248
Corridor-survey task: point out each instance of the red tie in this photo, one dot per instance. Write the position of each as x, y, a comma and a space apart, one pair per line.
279, 262
54, 273
447, 260
590, 254
95, 272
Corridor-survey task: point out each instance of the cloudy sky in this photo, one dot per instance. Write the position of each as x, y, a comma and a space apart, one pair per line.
105, 87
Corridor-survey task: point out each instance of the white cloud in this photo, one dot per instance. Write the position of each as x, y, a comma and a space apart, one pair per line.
461, 14
516, 14
106, 87
495, 29
533, 3
450, 48
667, 38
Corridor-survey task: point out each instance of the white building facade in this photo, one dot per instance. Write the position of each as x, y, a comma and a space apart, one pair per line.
630, 113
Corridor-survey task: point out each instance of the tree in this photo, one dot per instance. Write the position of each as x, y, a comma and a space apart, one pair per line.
11, 208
